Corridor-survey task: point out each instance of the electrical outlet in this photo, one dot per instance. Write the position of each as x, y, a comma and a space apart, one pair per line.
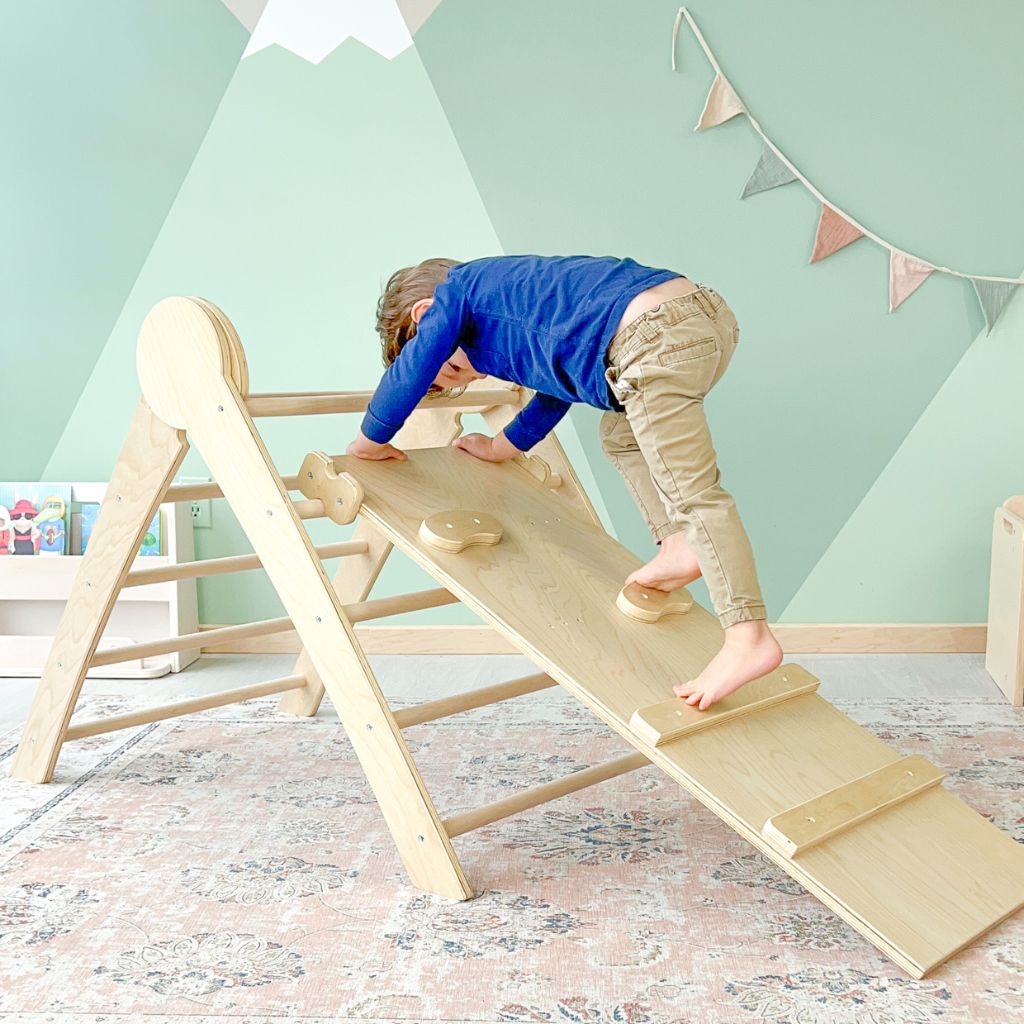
202, 508
202, 514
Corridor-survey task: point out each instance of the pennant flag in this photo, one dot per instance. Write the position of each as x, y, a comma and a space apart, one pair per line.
834, 231
906, 275
993, 296
770, 172
721, 104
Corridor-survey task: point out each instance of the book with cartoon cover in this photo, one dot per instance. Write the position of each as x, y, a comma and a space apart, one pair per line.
34, 518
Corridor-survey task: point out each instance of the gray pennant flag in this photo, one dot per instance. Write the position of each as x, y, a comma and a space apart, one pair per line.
993, 296
770, 172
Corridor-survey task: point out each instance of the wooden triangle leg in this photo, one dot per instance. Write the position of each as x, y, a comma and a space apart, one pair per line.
177, 337
151, 455
352, 583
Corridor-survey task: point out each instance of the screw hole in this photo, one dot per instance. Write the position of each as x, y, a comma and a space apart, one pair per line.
811, 820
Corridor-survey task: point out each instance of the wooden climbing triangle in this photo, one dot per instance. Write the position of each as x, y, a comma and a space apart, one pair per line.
872, 834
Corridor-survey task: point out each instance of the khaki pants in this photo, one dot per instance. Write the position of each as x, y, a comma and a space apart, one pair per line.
660, 367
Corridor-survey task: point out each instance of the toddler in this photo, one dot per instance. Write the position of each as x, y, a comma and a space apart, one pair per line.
643, 344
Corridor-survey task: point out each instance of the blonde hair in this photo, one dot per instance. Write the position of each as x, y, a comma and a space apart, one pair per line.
404, 289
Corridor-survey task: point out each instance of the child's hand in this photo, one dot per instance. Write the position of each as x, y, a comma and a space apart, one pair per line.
490, 449
362, 447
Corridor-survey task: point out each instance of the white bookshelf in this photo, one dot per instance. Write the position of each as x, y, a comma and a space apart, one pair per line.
35, 588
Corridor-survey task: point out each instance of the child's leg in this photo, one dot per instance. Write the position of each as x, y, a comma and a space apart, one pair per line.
675, 564
662, 385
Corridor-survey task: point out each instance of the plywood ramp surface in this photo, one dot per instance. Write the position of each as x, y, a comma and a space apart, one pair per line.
920, 879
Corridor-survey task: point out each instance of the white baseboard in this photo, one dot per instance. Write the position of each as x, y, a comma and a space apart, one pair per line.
854, 638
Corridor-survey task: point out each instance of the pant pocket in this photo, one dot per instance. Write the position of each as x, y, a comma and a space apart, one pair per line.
683, 351
620, 383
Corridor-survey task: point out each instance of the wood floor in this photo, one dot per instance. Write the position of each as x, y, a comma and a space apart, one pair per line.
408, 678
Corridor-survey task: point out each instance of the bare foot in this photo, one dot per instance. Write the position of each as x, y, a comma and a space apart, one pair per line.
750, 651
672, 567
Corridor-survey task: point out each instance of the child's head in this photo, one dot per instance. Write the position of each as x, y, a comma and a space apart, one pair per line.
406, 288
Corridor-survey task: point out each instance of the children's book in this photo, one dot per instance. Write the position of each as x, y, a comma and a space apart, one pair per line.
90, 510
152, 541
34, 518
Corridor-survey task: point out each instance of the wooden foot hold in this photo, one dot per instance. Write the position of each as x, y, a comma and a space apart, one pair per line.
459, 528
649, 605
341, 494
670, 720
836, 810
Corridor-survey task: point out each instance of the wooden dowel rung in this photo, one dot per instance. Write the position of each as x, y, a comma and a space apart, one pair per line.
470, 820
361, 611
198, 492
305, 508
190, 641
183, 707
309, 508
319, 403
231, 563
431, 710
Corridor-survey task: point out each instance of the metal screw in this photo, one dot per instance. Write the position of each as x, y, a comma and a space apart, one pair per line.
421, 839
118, 498
369, 728
309, 476
270, 511
220, 408
318, 619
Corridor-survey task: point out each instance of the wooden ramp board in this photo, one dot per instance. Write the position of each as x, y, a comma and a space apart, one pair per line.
921, 878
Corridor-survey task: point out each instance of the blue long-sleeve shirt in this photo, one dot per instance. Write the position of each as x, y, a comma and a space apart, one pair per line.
540, 321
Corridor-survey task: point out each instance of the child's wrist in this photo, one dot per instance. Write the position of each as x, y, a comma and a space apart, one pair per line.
502, 447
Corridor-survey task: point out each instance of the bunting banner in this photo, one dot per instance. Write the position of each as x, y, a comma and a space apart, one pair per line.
721, 104
835, 229
770, 172
993, 296
834, 232
906, 275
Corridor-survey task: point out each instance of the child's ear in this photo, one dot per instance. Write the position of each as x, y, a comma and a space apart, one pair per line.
419, 308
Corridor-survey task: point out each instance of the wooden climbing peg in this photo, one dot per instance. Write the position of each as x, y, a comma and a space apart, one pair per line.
459, 528
341, 493
649, 605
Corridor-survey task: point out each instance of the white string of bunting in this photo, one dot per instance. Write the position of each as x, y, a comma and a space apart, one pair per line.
836, 229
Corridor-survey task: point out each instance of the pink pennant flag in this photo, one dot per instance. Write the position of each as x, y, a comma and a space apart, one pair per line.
721, 104
906, 275
834, 231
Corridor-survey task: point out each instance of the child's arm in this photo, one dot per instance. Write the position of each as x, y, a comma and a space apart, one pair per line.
407, 379
534, 422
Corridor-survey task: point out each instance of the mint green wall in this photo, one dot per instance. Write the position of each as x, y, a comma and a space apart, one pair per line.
559, 128
102, 107
592, 150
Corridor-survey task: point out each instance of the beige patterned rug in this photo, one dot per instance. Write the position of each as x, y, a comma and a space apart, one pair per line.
232, 868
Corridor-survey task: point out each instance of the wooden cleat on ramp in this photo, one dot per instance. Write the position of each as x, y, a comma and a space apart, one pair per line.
649, 605
459, 528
